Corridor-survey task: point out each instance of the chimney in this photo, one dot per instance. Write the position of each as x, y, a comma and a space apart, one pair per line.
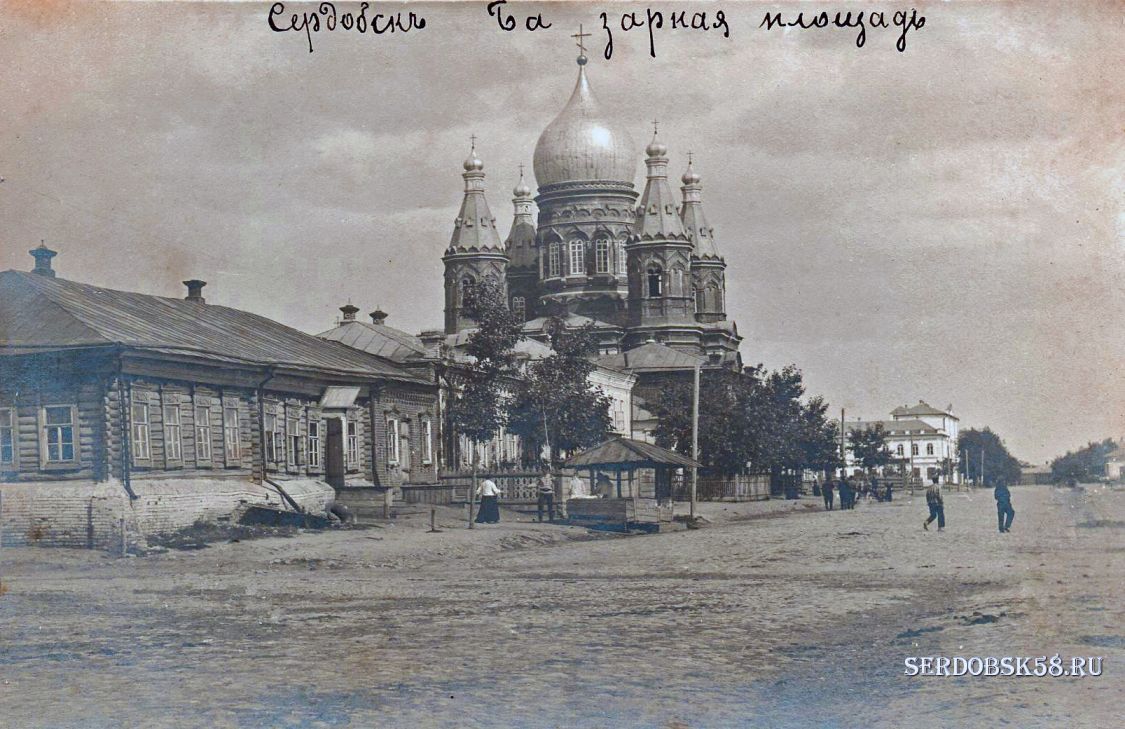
195, 291
349, 312
43, 256
378, 316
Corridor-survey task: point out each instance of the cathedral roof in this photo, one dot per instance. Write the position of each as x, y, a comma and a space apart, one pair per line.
474, 229
582, 144
651, 357
657, 213
695, 222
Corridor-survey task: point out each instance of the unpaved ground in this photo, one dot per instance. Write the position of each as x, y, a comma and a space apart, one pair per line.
799, 620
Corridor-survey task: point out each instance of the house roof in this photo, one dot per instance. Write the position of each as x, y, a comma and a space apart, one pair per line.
894, 427
651, 357
39, 313
377, 339
922, 408
628, 452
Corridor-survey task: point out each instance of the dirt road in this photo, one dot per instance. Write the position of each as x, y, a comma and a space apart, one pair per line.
804, 619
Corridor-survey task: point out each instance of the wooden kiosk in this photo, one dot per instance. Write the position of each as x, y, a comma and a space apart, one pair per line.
640, 477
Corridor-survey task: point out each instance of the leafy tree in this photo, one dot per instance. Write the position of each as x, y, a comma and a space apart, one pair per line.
478, 409
751, 417
555, 394
999, 464
869, 446
1085, 464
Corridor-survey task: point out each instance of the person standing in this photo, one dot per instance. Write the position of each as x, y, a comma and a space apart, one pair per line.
826, 491
875, 488
937, 507
845, 492
489, 494
1004, 511
546, 497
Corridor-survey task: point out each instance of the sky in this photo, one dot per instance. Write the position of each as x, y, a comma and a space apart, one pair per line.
945, 223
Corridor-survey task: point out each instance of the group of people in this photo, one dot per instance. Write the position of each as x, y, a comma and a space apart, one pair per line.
489, 494
851, 489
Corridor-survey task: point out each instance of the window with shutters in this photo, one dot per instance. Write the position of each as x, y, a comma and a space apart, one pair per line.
392, 440
232, 442
314, 443
203, 435
353, 444
173, 433
293, 436
142, 435
427, 442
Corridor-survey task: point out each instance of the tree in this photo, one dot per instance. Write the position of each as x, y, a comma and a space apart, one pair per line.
752, 418
722, 427
478, 409
555, 403
1085, 464
869, 447
999, 464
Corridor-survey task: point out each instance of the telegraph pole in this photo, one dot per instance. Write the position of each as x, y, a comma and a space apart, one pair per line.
843, 455
694, 438
982, 466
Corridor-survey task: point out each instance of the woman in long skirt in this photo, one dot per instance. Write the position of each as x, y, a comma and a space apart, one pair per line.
489, 493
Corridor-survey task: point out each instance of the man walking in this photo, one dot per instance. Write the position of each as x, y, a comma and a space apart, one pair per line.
546, 497
1004, 511
826, 491
937, 507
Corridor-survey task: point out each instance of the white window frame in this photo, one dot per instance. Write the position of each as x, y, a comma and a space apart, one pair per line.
9, 445
312, 440
61, 430
929, 449
392, 441
292, 440
269, 424
351, 444
601, 255
621, 259
554, 260
427, 442
913, 449
232, 437
173, 428
900, 450
576, 258
203, 434
141, 432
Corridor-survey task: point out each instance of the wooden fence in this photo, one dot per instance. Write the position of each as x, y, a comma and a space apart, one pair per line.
754, 487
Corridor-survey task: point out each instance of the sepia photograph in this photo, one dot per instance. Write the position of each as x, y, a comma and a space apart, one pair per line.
542, 365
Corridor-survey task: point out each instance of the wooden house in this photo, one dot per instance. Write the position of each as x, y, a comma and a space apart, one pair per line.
126, 411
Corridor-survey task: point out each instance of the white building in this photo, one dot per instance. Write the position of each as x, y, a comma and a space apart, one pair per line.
922, 439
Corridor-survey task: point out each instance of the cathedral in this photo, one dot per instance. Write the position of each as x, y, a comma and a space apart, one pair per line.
640, 271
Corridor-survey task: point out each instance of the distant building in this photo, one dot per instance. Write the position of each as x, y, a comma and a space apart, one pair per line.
120, 405
1115, 463
922, 440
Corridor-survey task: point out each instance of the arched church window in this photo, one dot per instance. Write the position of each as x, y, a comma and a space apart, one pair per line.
577, 259
466, 285
553, 260
655, 282
601, 255
519, 308
620, 252
700, 300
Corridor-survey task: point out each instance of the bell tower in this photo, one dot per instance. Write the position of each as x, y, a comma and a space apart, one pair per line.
475, 252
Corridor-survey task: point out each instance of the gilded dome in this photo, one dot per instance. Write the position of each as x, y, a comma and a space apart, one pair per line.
583, 145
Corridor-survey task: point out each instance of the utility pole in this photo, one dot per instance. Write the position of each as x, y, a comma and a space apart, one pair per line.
843, 455
694, 438
982, 466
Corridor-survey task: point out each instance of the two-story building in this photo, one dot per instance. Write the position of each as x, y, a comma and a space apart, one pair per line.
922, 440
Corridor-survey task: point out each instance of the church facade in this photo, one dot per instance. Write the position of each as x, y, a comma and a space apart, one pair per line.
637, 267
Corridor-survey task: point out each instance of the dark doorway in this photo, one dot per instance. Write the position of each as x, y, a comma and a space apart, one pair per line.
334, 466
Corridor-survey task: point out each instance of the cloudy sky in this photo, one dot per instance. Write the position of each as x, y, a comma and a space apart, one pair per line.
946, 223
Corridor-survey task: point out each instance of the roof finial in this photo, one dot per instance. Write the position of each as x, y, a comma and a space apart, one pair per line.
473, 163
655, 123
578, 38
689, 158
472, 143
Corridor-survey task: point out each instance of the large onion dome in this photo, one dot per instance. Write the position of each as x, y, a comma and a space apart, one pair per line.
582, 145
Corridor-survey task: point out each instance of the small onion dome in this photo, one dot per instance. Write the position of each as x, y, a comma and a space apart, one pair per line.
655, 148
473, 163
521, 189
691, 177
